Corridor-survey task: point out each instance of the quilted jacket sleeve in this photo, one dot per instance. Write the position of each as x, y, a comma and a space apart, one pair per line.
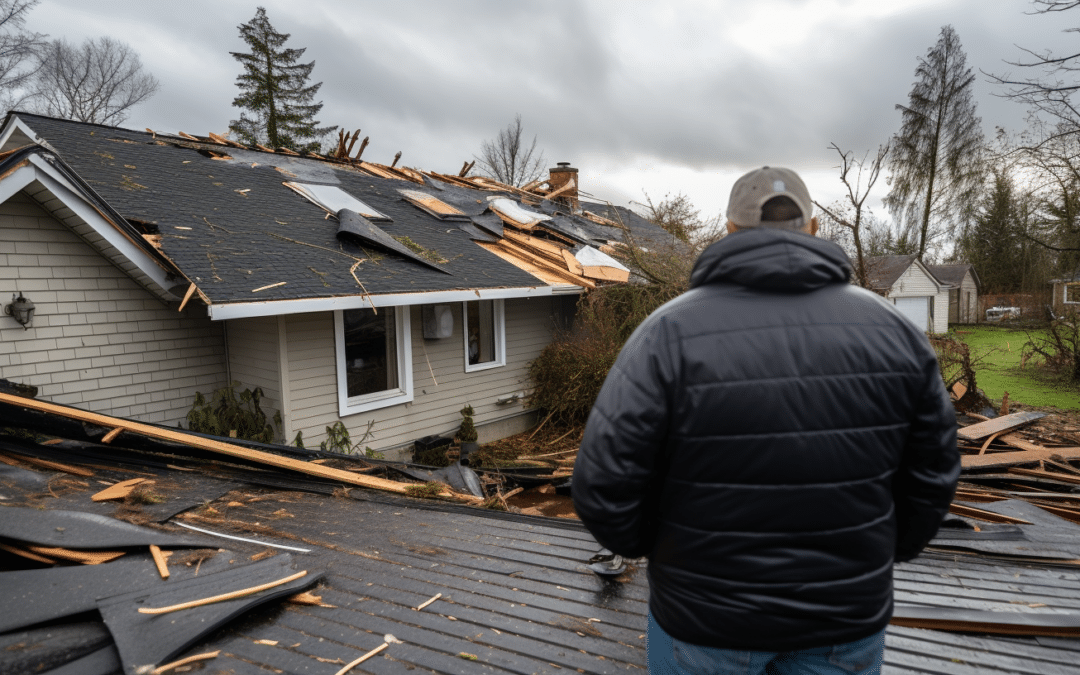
930, 467
619, 468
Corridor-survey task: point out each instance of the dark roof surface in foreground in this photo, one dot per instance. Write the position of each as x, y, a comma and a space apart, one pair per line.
516, 594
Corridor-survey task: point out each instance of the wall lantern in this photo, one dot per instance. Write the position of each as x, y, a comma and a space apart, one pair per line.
21, 309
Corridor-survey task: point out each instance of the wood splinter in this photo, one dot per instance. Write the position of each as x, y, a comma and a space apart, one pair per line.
363, 658
437, 596
183, 662
222, 598
160, 560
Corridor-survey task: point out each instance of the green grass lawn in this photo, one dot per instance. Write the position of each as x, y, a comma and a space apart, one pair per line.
997, 350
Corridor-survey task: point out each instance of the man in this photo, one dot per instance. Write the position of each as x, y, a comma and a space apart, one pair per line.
773, 440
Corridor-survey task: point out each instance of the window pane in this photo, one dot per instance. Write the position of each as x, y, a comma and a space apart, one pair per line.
481, 327
1072, 293
370, 351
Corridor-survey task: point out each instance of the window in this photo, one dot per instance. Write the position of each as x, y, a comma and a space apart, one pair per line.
1072, 293
485, 335
374, 358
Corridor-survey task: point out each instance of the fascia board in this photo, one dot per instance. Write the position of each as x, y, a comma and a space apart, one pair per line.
244, 310
69, 197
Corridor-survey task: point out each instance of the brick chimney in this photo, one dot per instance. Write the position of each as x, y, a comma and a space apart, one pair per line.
562, 176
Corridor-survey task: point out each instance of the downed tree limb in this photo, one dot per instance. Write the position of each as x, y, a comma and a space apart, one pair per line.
348, 477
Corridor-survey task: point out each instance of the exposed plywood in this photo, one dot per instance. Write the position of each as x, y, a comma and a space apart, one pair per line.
544, 274
998, 424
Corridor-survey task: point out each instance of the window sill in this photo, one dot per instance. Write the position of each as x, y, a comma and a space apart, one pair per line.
371, 402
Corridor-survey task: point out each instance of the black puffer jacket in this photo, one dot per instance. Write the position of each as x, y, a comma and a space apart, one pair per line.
773, 440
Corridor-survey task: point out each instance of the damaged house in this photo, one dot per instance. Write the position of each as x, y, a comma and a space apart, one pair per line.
377, 296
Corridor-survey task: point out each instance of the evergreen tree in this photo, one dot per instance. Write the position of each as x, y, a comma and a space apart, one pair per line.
936, 161
275, 91
992, 242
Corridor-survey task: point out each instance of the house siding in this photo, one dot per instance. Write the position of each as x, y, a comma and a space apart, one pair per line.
441, 387
969, 313
254, 362
99, 340
915, 283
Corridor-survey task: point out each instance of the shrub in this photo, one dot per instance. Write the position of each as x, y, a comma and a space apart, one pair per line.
225, 414
467, 431
1059, 346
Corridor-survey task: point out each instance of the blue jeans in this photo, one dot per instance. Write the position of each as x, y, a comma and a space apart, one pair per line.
671, 656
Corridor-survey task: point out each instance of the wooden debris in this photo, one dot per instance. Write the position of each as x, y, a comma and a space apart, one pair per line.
119, 490
983, 429
363, 658
988, 516
224, 596
26, 554
428, 602
160, 560
161, 670
347, 477
44, 463
84, 557
266, 288
111, 436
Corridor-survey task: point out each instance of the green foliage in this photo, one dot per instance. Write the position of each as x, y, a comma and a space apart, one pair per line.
998, 353
428, 490
338, 440
433, 456
467, 431
224, 413
274, 89
299, 440
425, 253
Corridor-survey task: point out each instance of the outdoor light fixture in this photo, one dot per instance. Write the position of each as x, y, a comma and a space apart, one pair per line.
21, 309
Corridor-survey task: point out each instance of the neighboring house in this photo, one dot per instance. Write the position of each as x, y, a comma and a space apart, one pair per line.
1066, 295
907, 283
385, 298
963, 285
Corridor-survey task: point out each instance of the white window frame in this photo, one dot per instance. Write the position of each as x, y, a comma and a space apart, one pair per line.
379, 399
498, 313
1065, 293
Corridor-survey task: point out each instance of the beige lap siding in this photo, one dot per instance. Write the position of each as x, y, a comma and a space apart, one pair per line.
915, 283
99, 340
312, 379
254, 353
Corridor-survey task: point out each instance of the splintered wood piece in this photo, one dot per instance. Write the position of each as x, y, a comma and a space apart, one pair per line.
959, 390
1003, 423
428, 602
212, 445
159, 560
266, 288
1031, 454
605, 273
161, 670
187, 296
223, 597
990, 440
111, 436
181, 134
84, 557
572, 263
1033, 473
118, 491
363, 658
44, 463
26, 554
980, 514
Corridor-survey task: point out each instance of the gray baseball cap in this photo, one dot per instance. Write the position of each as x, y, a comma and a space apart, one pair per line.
751, 192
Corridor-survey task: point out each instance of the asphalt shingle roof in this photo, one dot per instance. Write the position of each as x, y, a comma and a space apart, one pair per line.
232, 226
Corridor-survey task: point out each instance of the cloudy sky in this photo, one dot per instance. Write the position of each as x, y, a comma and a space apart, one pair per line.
642, 97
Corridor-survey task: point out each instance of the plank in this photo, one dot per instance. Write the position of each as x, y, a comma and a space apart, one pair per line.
988, 516
118, 491
1008, 459
228, 449
995, 623
1003, 423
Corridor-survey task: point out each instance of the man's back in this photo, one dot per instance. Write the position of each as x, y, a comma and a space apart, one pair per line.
770, 439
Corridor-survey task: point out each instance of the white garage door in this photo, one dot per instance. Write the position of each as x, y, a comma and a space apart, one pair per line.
917, 310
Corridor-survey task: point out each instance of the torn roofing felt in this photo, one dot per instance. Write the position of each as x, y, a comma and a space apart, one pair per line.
76, 529
351, 223
151, 639
39, 595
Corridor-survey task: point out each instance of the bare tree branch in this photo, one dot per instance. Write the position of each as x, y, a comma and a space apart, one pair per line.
19, 50
98, 81
509, 159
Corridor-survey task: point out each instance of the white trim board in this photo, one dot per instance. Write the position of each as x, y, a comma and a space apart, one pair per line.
243, 310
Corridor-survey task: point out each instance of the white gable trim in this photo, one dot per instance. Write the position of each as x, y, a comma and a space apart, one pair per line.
16, 134
243, 310
116, 245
